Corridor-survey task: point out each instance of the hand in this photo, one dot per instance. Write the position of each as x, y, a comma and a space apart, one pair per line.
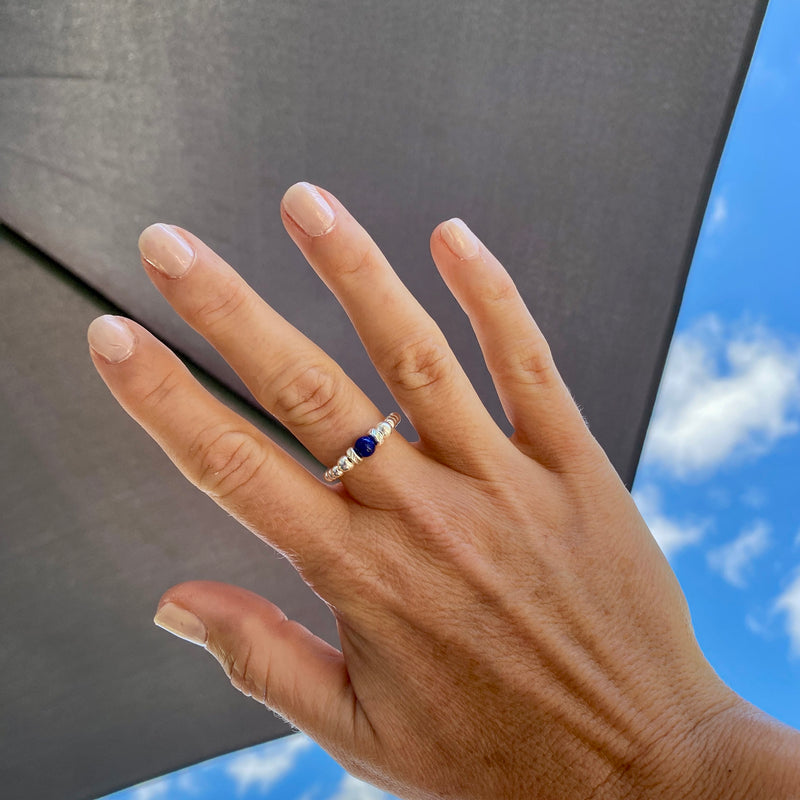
509, 627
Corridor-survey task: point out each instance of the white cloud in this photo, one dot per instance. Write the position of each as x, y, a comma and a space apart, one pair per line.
353, 789
732, 559
727, 392
789, 603
151, 789
670, 534
267, 764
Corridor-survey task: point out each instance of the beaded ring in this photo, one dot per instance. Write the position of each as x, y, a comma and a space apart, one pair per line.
363, 448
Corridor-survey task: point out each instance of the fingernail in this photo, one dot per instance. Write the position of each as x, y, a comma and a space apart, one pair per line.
111, 338
308, 208
166, 250
181, 623
459, 238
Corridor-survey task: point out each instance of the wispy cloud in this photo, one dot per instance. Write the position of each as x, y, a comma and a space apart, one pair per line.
152, 789
770, 80
789, 604
755, 625
728, 392
732, 559
187, 781
353, 789
670, 534
754, 497
266, 765
717, 213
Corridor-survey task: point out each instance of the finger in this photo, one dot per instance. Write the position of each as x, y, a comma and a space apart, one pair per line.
407, 347
221, 453
268, 657
548, 425
293, 378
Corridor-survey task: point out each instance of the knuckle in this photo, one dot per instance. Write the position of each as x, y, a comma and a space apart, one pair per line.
533, 366
421, 364
224, 305
228, 461
309, 396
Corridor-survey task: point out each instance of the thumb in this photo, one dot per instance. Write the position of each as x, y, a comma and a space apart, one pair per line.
266, 656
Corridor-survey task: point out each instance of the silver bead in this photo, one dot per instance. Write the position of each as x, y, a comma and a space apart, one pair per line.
344, 464
376, 435
353, 456
385, 428
331, 474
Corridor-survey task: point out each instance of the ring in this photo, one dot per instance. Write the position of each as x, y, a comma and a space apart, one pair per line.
363, 447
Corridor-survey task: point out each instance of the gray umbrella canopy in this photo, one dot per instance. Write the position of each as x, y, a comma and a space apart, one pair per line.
578, 140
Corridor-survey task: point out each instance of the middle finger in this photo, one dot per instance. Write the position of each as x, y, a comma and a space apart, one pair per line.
406, 346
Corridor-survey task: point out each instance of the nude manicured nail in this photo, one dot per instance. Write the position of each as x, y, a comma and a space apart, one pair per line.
459, 238
111, 338
308, 208
166, 250
180, 622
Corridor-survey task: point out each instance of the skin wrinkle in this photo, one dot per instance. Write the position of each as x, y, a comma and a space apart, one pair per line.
608, 781
223, 308
155, 396
689, 733
246, 458
309, 397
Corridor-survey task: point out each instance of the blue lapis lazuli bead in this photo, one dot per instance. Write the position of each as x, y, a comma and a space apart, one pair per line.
365, 446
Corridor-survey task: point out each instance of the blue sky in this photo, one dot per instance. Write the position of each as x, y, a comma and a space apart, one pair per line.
292, 768
719, 473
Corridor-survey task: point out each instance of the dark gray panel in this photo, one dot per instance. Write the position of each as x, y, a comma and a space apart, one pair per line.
96, 525
576, 138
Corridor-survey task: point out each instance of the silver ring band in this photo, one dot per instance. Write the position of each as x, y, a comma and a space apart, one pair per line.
363, 447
